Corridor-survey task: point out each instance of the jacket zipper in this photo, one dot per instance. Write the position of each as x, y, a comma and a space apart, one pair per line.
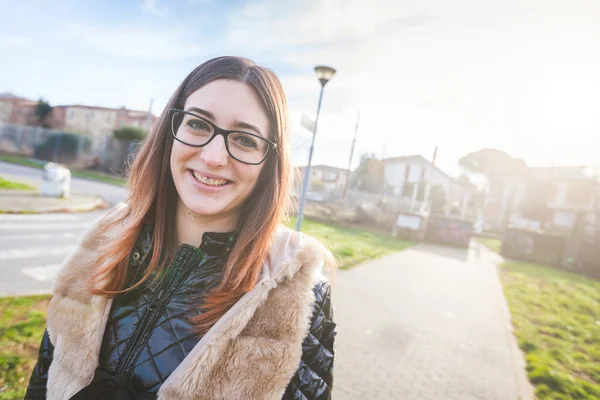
124, 361
129, 352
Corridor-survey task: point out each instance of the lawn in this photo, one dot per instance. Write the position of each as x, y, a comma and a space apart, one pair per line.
556, 316
491, 243
6, 184
115, 180
351, 246
22, 322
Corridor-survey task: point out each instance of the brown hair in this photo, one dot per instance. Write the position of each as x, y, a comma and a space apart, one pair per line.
152, 195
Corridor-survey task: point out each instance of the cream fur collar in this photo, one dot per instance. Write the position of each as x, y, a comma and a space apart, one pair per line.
251, 352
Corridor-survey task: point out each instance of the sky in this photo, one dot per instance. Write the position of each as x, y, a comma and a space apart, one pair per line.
522, 76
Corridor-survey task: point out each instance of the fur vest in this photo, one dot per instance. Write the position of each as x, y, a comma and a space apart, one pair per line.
251, 352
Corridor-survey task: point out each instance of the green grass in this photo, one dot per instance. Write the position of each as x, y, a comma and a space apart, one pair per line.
22, 322
6, 184
115, 180
351, 246
490, 243
556, 316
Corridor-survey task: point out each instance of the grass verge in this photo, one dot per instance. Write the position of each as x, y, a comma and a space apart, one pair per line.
556, 316
96, 176
22, 322
491, 243
6, 184
351, 246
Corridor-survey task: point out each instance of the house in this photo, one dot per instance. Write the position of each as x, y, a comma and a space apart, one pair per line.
323, 179
90, 120
17, 110
98, 123
415, 183
402, 174
543, 197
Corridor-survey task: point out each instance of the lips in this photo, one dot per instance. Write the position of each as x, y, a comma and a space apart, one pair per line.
210, 181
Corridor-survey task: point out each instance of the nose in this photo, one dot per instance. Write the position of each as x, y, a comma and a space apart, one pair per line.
215, 153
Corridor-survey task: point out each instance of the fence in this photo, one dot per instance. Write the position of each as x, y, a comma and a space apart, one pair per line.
101, 153
577, 252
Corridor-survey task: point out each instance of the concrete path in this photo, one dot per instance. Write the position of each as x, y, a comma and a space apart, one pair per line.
427, 323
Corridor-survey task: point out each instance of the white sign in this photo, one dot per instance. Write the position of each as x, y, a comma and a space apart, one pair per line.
411, 222
308, 123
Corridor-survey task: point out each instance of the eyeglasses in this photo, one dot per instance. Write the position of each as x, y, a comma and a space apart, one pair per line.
196, 131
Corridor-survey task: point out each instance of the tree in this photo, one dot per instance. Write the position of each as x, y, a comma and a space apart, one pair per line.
438, 199
366, 178
491, 162
43, 110
363, 166
132, 133
501, 171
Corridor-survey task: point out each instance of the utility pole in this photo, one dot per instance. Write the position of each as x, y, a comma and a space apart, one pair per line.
351, 154
426, 206
382, 164
149, 116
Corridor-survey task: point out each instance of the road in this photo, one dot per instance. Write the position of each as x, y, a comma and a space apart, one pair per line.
112, 193
32, 247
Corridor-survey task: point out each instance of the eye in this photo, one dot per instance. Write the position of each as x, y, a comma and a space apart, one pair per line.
198, 125
246, 141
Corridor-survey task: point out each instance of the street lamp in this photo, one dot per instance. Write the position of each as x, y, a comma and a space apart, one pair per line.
324, 74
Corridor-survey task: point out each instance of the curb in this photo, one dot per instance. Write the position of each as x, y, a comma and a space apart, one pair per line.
96, 204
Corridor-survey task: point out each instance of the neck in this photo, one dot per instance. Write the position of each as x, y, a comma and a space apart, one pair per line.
190, 226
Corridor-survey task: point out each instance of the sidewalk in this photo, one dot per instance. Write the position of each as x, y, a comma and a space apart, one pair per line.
427, 323
29, 201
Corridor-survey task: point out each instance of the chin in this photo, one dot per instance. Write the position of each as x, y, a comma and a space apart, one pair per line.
204, 207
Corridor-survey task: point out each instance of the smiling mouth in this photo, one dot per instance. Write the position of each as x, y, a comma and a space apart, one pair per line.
209, 181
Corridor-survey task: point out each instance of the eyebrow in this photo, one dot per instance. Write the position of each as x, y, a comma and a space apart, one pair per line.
237, 124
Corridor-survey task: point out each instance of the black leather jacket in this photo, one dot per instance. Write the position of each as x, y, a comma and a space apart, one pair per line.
148, 332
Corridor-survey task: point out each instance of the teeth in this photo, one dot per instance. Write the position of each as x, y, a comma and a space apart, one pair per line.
209, 181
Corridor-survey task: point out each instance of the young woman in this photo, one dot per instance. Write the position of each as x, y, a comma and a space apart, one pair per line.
193, 289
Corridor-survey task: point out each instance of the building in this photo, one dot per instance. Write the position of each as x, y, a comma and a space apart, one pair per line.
97, 123
403, 174
325, 182
17, 110
412, 183
543, 198
89, 120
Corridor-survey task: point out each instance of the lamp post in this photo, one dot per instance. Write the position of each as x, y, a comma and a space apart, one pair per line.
324, 74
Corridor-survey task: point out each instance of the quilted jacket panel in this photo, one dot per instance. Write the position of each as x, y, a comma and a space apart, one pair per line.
148, 332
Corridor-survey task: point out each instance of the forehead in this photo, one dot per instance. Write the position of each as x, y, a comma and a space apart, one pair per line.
231, 102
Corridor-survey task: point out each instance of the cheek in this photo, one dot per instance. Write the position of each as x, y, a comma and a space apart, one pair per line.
179, 154
251, 174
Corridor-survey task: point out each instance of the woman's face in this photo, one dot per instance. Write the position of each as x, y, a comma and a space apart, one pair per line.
229, 105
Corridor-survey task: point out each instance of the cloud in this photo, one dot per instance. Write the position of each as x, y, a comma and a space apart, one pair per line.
316, 25
16, 41
138, 43
151, 7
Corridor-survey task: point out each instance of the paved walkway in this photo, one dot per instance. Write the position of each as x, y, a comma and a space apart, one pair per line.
428, 323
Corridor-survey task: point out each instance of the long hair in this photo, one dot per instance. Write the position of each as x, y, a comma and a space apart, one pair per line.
152, 196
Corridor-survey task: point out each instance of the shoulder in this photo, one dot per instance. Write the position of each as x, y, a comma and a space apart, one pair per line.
80, 265
296, 251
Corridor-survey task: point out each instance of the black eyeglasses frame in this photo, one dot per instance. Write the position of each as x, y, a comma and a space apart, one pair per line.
219, 131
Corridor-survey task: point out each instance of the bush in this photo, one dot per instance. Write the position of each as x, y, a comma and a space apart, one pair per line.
133, 133
60, 147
